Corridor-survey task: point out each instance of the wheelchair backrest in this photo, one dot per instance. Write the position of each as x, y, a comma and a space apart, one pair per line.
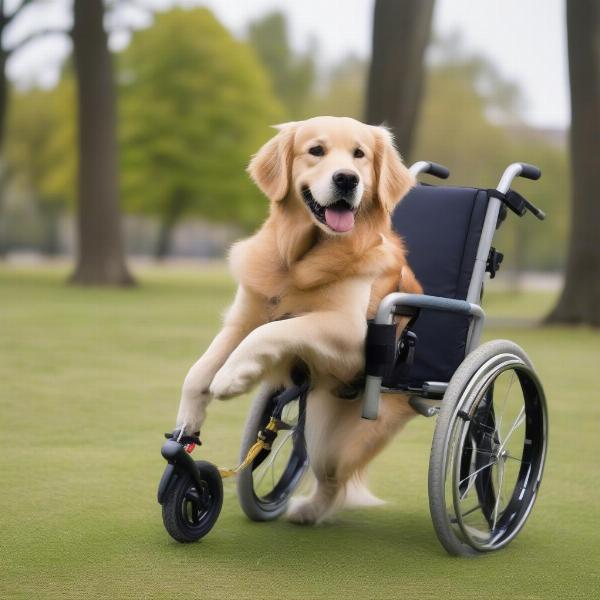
441, 227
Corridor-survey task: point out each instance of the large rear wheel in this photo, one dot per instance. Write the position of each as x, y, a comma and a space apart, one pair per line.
265, 487
488, 450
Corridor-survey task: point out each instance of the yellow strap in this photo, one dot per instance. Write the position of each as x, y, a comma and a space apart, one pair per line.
253, 452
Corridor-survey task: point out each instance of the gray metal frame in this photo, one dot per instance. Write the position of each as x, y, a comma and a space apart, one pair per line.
394, 303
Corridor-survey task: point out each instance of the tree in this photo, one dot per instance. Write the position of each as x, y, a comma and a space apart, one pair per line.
40, 152
470, 123
7, 19
292, 75
194, 106
580, 298
342, 92
101, 258
401, 30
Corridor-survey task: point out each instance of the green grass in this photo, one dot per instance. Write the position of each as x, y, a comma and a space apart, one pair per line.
521, 307
90, 380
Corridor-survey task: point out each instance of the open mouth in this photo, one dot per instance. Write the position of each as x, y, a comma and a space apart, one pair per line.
339, 216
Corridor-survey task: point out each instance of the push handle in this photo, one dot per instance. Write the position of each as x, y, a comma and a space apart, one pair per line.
426, 166
530, 172
521, 170
438, 171
517, 169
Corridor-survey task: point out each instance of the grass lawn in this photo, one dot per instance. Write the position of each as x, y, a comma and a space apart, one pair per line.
89, 380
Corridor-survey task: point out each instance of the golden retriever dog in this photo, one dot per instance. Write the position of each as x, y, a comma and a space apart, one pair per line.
308, 281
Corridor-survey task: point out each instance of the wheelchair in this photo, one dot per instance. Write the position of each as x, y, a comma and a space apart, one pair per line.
491, 432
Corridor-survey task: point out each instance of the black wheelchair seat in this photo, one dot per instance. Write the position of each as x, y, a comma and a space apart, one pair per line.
441, 228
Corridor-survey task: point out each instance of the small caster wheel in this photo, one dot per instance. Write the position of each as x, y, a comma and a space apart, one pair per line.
189, 513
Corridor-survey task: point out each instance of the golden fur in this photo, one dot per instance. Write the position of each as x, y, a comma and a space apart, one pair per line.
329, 282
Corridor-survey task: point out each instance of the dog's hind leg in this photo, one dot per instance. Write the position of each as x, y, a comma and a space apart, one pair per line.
362, 440
357, 494
321, 412
340, 445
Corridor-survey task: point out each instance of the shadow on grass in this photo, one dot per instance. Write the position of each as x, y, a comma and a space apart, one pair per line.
352, 535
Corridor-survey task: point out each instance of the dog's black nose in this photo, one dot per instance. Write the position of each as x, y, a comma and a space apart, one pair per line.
345, 181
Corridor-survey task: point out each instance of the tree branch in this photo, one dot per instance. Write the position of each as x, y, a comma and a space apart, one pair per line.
58, 31
33, 36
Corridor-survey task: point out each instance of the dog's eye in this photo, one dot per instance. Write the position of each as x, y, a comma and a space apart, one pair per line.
358, 153
316, 151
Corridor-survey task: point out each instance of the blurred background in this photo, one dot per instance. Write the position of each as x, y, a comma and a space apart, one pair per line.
126, 125
125, 130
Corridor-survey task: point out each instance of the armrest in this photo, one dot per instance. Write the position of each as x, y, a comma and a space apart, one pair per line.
394, 304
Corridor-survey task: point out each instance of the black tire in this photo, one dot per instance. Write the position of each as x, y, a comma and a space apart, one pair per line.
188, 513
258, 502
472, 452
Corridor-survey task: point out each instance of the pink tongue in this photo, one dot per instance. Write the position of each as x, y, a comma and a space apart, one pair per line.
339, 220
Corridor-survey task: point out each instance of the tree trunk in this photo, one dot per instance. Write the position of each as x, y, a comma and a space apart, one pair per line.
3, 98
163, 244
3, 111
172, 214
401, 30
50, 215
101, 258
580, 298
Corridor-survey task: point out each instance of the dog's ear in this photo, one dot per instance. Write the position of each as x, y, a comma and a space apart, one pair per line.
270, 168
393, 179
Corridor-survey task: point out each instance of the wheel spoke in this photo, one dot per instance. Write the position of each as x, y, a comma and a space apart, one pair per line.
468, 489
510, 384
464, 514
472, 477
477, 471
516, 424
272, 457
489, 452
471, 510
272, 469
525, 462
489, 430
498, 494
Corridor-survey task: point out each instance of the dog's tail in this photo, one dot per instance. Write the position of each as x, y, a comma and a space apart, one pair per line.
357, 493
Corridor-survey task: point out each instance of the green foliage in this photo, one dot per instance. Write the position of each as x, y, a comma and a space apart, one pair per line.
292, 75
41, 143
469, 122
343, 92
194, 105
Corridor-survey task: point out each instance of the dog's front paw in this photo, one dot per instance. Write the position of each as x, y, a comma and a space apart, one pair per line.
233, 380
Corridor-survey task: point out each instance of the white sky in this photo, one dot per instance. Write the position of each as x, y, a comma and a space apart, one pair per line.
526, 39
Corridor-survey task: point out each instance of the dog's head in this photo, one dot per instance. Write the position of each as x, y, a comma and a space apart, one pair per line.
339, 169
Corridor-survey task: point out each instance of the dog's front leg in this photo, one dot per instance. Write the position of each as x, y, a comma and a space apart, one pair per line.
333, 341
245, 314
